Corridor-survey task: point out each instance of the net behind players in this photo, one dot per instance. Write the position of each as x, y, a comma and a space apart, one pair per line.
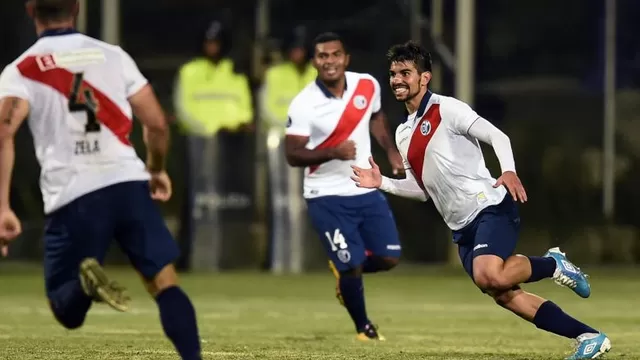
80, 94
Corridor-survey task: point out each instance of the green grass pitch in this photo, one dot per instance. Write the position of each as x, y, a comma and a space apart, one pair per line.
425, 313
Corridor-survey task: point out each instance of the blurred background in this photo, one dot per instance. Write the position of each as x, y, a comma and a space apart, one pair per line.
561, 78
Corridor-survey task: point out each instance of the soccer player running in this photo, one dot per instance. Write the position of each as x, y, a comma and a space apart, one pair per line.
444, 162
79, 94
327, 132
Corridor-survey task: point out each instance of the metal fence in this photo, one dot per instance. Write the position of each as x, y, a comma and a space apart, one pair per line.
536, 69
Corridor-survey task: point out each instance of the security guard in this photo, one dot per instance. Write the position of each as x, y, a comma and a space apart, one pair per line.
282, 83
214, 111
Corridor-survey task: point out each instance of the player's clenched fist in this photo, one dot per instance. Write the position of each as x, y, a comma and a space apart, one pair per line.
346, 150
367, 178
160, 185
10, 228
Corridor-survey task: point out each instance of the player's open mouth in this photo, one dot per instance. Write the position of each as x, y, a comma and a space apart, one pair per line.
331, 71
400, 90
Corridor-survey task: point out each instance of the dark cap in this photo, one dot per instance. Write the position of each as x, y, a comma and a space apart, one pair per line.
297, 38
214, 31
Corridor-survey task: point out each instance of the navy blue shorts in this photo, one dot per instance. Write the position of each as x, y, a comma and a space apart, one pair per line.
493, 232
348, 226
86, 227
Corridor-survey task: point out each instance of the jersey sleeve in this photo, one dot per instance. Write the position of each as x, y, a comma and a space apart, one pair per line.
377, 97
460, 115
298, 122
133, 78
13, 84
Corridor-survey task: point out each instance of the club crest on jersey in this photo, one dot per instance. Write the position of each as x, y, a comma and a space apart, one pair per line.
360, 102
425, 128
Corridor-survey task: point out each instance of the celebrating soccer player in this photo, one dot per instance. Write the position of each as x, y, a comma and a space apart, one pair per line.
328, 131
444, 162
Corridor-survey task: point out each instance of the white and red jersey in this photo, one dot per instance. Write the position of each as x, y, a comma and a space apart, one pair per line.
446, 161
328, 121
77, 88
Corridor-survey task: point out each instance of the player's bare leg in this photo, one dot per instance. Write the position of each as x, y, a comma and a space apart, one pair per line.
543, 313
97, 285
491, 272
374, 263
177, 313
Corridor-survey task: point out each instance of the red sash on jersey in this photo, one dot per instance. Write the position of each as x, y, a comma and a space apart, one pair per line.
61, 80
350, 118
422, 134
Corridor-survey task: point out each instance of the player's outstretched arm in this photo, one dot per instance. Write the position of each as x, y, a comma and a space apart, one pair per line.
372, 179
147, 109
299, 156
486, 132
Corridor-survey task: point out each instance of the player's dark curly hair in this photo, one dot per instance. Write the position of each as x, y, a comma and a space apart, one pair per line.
410, 52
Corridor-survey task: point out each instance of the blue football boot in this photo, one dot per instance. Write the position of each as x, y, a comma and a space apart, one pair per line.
591, 346
569, 275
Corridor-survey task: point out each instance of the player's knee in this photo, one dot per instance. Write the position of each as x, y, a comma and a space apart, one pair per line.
164, 279
388, 263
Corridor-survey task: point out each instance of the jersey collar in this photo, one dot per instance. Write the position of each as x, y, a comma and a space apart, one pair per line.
326, 91
58, 32
423, 106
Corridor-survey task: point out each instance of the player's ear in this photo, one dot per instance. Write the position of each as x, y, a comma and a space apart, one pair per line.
426, 77
347, 59
30, 6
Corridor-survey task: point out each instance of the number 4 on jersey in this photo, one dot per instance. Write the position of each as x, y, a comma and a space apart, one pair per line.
82, 99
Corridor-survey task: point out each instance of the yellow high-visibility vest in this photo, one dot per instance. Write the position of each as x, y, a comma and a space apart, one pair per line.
209, 97
282, 83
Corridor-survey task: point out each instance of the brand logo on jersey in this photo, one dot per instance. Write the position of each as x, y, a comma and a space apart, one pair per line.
80, 57
289, 121
425, 128
360, 102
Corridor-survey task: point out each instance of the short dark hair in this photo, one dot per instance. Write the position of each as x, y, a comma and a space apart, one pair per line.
410, 52
54, 10
326, 37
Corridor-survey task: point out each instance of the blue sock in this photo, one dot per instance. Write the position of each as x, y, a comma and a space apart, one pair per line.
552, 319
178, 319
541, 268
70, 304
352, 291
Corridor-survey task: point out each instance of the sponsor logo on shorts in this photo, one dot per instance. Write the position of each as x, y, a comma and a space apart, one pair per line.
480, 246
